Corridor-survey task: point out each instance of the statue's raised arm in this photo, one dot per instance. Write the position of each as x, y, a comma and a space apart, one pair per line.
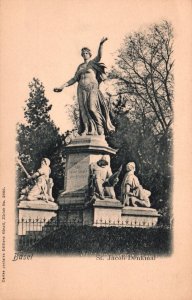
100, 49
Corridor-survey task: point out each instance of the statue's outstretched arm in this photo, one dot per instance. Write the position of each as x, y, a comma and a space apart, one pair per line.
68, 83
100, 50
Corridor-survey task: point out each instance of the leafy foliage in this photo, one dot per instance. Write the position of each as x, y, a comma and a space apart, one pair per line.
142, 109
37, 108
39, 138
73, 112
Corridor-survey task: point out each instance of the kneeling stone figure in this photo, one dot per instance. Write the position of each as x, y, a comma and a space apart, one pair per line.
132, 190
42, 189
100, 183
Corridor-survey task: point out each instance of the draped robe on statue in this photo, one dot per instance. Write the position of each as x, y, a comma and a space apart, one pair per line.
94, 113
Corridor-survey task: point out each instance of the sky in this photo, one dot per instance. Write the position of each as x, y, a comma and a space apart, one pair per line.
43, 39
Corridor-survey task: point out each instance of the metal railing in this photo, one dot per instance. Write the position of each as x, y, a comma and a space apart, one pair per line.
127, 223
24, 226
30, 231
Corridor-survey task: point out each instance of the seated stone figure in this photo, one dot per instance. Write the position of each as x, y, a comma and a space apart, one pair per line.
42, 188
100, 184
132, 191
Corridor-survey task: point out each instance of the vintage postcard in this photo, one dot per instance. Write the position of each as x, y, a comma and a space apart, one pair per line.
96, 149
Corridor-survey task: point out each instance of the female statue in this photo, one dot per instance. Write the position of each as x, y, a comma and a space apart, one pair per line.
94, 113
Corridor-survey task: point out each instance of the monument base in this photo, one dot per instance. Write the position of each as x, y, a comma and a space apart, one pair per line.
108, 210
76, 197
80, 154
33, 215
106, 213
139, 217
75, 208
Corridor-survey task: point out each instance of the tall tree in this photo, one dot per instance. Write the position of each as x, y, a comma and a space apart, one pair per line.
39, 137
144, 73
142, 107
37, 106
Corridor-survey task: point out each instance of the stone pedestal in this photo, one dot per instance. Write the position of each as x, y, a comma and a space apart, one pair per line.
80, 153
139, 217
107, 212
33, 215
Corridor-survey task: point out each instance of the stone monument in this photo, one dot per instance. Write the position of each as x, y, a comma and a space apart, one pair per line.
85, 151
88, 196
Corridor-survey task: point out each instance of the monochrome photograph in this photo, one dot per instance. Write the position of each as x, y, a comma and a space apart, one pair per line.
95, 147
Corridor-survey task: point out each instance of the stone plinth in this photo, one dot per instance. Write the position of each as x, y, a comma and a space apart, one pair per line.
90, 144
139, 217
102, 212
106, 212
80, 154
33, 215
110, 212
71, 214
